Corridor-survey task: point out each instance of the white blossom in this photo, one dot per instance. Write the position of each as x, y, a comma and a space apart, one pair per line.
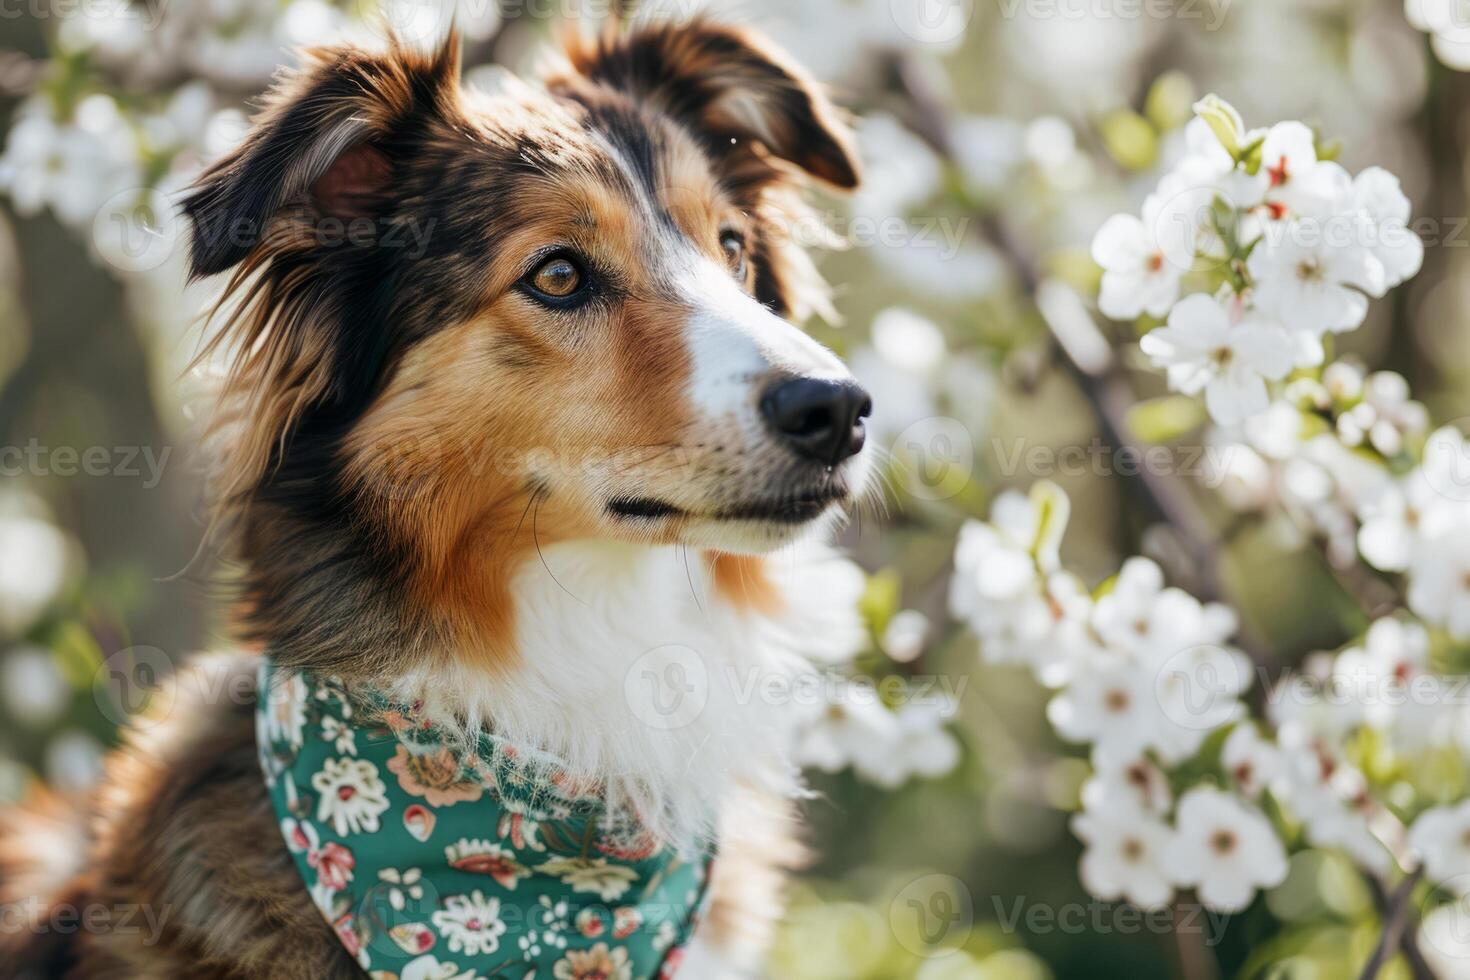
1202, 350
1441, 838
1139, 276
1125, 856
1223, 847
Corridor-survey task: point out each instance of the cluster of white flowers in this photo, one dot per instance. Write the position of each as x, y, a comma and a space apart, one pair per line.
1145, 677
1349, 456
1252, 250
885, 728
1143, 674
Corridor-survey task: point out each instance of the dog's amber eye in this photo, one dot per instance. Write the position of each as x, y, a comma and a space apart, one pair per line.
558, 277
734, 247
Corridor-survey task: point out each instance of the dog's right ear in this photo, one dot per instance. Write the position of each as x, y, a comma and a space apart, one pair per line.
326, 140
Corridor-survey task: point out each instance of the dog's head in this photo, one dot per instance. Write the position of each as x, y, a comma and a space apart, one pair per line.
468, 323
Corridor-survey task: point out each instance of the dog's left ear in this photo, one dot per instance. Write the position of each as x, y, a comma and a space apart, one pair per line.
726, 84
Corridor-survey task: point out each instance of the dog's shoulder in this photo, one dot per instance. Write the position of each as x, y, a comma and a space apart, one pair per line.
182, 870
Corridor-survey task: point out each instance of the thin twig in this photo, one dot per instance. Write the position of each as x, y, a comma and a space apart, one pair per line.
1396, 911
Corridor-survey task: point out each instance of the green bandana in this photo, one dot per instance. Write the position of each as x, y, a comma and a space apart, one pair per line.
437, 861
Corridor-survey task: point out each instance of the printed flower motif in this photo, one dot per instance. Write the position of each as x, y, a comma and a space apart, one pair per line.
403, 886
413, 937
664, 935
436, 776
430, 968
1441, 836
342, 735
352, 796
484, 857
640, 847
471, 923
672, 962
346, 929
333, 864
519, 826
419, 821
590, 924
300, 835
1124, 857
1223, 847
1202, 350
597, 963
595, 875
285, 714
626, 921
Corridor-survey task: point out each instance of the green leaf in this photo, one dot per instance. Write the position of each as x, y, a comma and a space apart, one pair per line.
880, 599
1170, 100
1130, 139
1251, 154
1055, 509
77, 654
1164, 419
1223, 121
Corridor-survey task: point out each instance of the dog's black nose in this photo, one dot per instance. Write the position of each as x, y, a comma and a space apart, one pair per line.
822, 420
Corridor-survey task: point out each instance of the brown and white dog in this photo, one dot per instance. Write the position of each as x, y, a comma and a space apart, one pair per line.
570, 432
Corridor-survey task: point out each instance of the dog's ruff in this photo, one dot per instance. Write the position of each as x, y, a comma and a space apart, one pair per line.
636, 675
607, 737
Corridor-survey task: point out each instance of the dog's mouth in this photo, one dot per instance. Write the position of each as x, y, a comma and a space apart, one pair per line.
788, 509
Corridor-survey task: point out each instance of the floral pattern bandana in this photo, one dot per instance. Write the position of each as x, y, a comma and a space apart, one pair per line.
433, 860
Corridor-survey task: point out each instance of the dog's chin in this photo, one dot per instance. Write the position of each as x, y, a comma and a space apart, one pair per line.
757, 536
754, 526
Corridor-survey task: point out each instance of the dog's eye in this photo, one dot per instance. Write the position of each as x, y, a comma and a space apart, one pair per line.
556, 280
734, 246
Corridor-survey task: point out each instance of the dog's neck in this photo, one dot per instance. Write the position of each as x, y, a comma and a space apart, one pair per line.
669, 676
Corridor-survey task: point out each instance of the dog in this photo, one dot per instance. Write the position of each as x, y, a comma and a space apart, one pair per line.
516, 425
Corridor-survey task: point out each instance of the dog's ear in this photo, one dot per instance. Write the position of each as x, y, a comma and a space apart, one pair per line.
726, 84
325, 140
